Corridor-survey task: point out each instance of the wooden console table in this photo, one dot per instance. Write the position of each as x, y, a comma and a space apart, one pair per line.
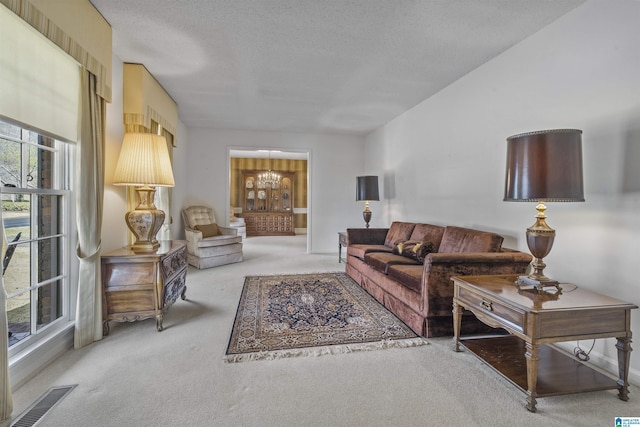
141, 286
536, 319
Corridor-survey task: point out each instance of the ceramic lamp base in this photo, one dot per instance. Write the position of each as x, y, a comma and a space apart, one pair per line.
145, 221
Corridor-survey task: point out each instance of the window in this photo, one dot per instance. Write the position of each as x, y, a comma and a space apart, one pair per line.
34, 170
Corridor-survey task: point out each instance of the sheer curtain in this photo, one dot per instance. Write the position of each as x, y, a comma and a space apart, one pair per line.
6, 401
90, 190
163, 194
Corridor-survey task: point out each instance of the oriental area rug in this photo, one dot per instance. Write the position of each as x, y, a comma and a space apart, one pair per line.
311, 315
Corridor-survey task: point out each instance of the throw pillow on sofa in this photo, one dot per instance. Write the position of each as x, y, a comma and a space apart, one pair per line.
414, 250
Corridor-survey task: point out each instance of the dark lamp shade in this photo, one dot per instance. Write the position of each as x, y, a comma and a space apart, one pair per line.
545, 166
367, 188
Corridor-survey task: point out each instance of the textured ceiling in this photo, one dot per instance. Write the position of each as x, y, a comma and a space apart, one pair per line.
321, 66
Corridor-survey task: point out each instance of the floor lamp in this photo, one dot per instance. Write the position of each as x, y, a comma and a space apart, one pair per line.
543, 166
144, 164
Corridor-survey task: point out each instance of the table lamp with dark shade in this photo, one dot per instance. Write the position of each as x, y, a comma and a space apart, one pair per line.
543, 166
367, 191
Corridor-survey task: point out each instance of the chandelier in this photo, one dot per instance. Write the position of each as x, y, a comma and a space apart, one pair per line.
269, 178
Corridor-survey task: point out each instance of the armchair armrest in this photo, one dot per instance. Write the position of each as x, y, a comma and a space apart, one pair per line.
228, 231
366, 236
193, 238
193, 235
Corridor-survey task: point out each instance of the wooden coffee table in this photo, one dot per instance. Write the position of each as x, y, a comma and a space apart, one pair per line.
536, 319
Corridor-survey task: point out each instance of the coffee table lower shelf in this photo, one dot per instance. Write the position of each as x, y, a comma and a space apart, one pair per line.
557, 373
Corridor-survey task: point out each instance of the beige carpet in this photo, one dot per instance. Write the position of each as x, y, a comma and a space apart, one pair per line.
313, 314
137, 376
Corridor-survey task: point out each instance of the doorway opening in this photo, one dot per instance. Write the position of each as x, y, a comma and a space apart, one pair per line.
269, 192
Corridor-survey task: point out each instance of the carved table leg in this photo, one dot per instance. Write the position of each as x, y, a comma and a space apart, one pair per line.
457, 320
624, 354
159, 319
533, 358
105, 328
183, 295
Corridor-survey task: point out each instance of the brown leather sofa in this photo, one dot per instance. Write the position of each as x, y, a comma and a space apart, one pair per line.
408, 268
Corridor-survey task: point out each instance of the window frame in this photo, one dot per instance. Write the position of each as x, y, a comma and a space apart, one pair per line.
63, 162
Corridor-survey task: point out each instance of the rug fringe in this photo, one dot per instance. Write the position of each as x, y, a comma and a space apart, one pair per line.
322, 351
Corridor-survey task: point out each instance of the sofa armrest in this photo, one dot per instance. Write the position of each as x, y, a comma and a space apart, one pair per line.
476, 258
366, 236
437, 287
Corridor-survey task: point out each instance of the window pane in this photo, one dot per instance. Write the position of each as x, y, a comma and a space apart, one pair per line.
11, 161
40, 165
10, 130
49, 211
19, 317
16, 215
49, 303
48, 259
17, 275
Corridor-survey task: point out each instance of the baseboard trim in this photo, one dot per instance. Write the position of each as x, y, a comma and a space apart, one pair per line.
27, 364
600, 362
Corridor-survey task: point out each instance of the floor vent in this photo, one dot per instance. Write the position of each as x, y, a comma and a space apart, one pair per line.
34, 414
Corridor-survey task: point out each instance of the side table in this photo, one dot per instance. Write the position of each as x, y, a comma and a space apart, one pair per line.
342, 241
139, 286
535, 319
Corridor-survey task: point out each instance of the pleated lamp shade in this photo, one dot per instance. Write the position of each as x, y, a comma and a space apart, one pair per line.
144, 160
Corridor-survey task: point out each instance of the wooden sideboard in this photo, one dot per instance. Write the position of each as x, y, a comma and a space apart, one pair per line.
269, 223
139, 286
268, 209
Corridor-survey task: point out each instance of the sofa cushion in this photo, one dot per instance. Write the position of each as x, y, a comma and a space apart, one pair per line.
458, 239
208, 230
427, 233
359, 250
398, 232
416, 250
408, 275
382, 260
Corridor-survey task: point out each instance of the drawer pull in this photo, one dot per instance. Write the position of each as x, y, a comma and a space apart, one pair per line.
486, 305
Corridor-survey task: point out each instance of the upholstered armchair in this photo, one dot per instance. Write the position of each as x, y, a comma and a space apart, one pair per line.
209, 244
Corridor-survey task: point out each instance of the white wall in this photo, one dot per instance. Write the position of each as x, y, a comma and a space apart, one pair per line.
335, 161
444, 160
